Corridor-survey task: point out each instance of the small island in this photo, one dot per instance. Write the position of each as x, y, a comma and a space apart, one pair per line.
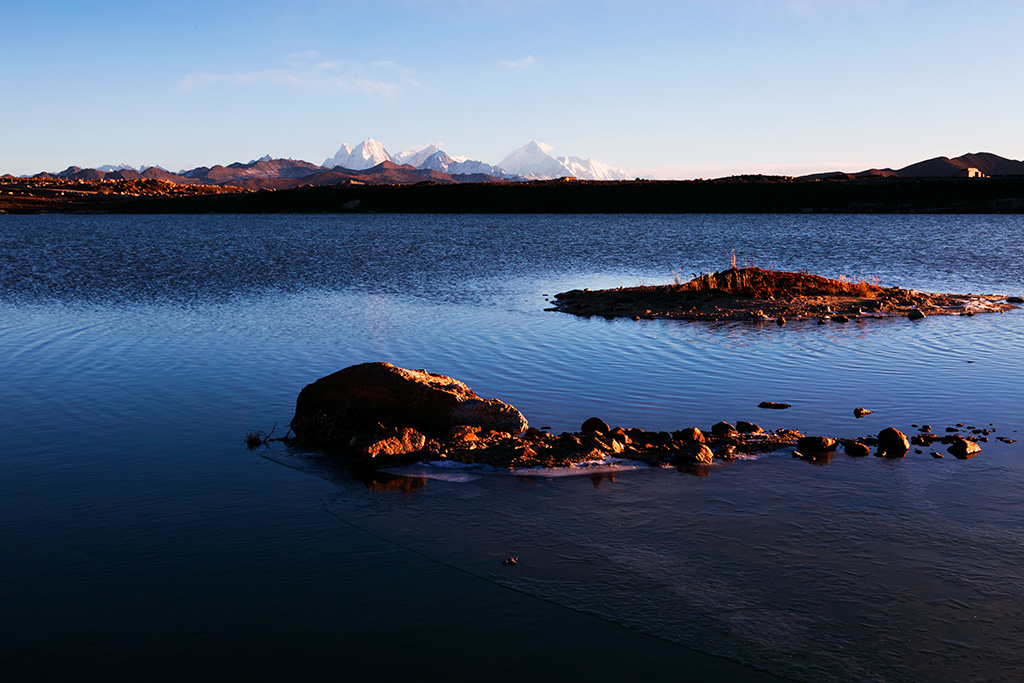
761, 294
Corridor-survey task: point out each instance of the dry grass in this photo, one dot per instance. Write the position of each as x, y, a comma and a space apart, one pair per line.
762, 283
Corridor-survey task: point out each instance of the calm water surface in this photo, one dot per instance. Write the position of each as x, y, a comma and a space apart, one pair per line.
140, 538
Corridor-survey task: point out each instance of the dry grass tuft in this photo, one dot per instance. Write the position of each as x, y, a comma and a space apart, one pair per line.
761, 283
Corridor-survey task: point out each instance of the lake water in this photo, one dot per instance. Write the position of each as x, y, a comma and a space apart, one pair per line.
141, 539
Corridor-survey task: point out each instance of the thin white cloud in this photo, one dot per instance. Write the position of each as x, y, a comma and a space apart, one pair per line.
548, 149
309, 70
526, 62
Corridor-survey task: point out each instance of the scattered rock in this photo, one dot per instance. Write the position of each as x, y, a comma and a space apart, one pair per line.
595, 424
856, 449
690, 435
840, 319
696, 452
963, 449
391, 449
816, 444
892, 443
915, 314
744, 427
723, 429
936, 454
1014, 300
861, 412
772, 405
509, 561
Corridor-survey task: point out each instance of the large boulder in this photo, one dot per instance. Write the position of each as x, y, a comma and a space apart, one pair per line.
892, 443
339, 407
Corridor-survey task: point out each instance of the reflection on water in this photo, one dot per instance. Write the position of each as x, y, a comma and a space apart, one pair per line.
136, 352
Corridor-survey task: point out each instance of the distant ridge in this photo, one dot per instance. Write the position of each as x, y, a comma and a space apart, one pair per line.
939, 167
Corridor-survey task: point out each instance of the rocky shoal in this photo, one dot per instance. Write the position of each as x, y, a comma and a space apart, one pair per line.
378, 415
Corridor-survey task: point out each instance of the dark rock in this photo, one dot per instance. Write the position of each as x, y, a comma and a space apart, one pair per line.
936, 454
695, 453
781, 322
963, 449
861, 412
336, 408
772, 405
748, 428
1014, 300
892, 443
722, 429
690, 435
816, 444
856, 449
915, 314
619, 434
595, 424
840, 319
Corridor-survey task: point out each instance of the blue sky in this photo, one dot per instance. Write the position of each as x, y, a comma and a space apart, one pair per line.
690, 88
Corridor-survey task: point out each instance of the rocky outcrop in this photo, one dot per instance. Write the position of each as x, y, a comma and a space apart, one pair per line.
378, 409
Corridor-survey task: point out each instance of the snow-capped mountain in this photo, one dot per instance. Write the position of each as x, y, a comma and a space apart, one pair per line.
110, 168
415, 157
366, 154
531, 161
440, 161
591, 169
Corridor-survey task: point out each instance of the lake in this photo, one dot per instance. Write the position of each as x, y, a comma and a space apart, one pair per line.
140, 538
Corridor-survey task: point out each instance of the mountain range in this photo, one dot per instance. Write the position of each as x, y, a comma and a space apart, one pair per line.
370, 163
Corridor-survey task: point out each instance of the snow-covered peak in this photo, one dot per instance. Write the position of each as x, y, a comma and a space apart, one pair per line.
416, 157
110, 168
366, 154
592, 169
532, 161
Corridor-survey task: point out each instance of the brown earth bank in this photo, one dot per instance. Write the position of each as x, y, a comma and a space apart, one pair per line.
52, 195
378, 415
745, 194
757, 294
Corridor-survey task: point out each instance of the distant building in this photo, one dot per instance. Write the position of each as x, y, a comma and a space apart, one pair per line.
969, 172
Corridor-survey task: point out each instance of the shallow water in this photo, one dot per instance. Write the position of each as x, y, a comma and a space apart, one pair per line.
142, 536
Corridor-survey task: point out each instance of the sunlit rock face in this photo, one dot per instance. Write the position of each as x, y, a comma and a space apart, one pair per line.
337, 410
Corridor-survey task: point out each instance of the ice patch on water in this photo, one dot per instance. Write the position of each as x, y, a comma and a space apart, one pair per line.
457, 472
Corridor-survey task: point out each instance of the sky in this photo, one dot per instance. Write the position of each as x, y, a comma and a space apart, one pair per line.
658, 88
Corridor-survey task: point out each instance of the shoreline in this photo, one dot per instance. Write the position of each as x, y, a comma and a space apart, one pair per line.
745, 194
